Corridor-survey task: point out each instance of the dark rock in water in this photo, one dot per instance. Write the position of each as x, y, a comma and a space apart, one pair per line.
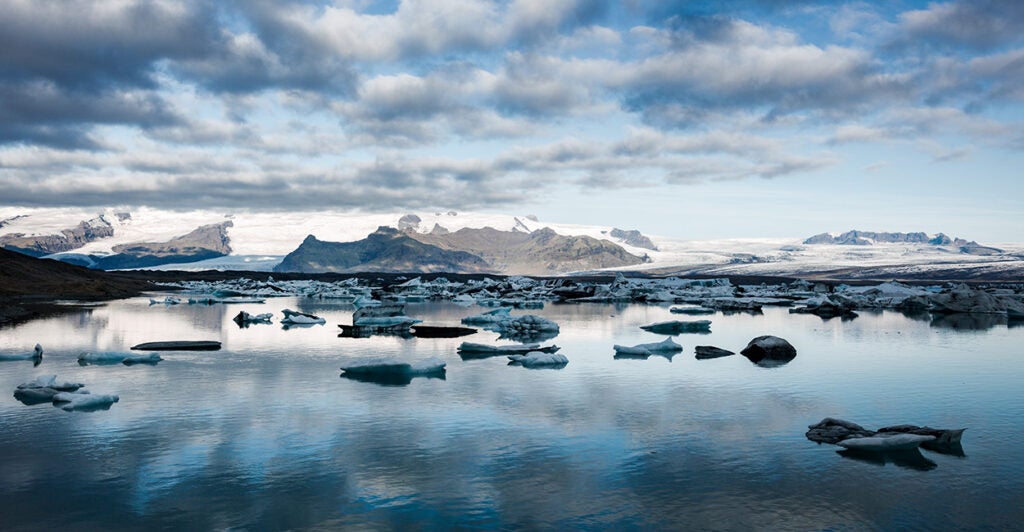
178, 346
705, 352
426, 331
831, 430
766, 350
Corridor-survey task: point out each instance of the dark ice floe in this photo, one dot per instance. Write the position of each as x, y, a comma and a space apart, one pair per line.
674, 327
391, 370
178, 345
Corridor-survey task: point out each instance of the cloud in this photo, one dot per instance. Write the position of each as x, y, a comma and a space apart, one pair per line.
978, 24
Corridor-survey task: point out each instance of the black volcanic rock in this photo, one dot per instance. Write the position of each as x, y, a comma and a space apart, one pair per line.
385, 250
633, 238
769, 351
205, 242
68, 239
21, 275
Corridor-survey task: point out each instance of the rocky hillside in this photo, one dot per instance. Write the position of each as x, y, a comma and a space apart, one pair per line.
67, 240
206, 242
385, 250
542, 252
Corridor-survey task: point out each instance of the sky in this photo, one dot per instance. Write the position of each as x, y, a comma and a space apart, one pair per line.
689, 119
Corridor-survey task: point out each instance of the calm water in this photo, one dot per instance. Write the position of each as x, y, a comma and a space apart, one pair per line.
265, 434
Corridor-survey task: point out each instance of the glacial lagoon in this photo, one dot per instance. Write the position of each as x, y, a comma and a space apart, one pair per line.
267, 434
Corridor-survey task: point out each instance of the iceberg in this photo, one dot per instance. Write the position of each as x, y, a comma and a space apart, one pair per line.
679, 327
84, 401
292, 317
111, 357
390, 364
691, 310
536, 359
493, 317
388, 322
50, 381
470, 347
885, 442
36, 354
244, 319
646, 350
169, 300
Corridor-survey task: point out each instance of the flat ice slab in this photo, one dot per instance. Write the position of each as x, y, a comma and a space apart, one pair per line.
894, 442
84, 401
178, 345
387, 365
536, 359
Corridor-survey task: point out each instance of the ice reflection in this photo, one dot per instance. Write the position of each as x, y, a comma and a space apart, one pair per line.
911, 459
968, 322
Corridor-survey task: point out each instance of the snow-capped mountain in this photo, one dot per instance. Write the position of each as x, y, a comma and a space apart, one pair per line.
259, 241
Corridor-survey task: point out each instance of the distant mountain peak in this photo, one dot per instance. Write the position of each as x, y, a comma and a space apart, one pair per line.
867, 238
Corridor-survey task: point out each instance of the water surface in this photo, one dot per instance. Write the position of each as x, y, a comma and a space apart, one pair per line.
266, 434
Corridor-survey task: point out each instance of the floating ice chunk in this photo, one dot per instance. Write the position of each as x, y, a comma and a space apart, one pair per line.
244, 319
386, 322
300, 318
536, 359
111, 357
679, 327
169, 300
495, 316
691, 310
178, 345
50, 381
84, 401
526, 327
393, 365
665, 346
470, 347
36, 354
886, 442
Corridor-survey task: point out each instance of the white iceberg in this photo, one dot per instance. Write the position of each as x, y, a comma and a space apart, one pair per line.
495, 316
36, 354
292, 317
50, 381
536, 359
886, 442
665, 346
84, 401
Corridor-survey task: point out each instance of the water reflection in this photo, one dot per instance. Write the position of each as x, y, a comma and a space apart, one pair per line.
263, 434
968, 322
390, 379
910, 459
